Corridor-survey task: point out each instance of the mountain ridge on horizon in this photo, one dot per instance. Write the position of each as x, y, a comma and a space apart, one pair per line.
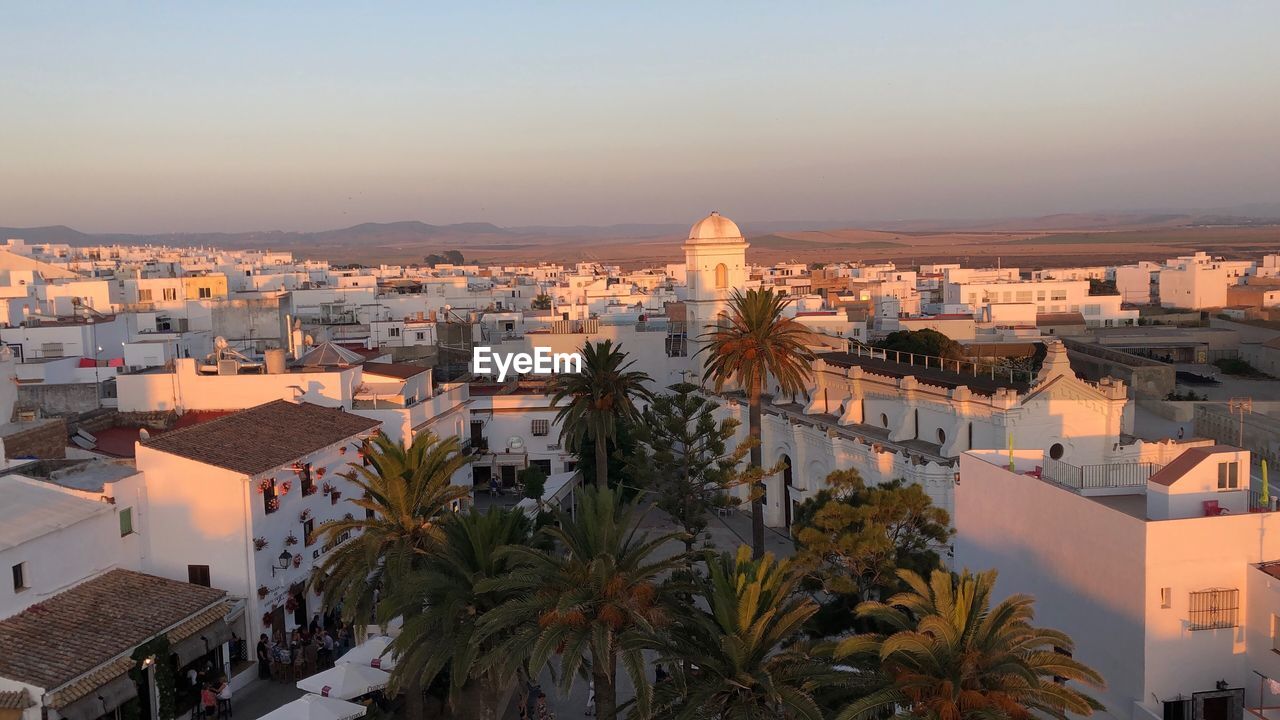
414, 232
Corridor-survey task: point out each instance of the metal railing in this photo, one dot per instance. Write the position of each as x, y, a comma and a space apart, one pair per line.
1257, 505
1093, 477
973, 368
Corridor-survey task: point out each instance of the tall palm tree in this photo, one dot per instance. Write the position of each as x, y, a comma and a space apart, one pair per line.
442, 606
600, 396
741, 657
752, 342
594, 600
406, 491
951, 655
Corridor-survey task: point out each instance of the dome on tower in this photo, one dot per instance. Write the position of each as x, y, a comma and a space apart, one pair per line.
714, 228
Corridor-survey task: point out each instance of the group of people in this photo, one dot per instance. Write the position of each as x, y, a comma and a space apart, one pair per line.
307, 650
211, 692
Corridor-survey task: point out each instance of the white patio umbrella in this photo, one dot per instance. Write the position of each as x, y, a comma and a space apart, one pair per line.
315, 707
371, 653
345, 681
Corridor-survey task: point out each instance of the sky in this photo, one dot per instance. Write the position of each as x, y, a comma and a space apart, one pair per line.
228, 116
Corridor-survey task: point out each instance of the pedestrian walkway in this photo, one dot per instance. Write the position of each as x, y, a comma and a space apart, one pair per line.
261, 697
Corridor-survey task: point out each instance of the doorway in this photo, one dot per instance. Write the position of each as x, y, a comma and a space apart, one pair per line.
786, 490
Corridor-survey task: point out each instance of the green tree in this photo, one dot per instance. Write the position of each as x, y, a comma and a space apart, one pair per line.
442, 605
541, 302
854, 538
600, 397
681, 457
409, 490
453, 257
923, 342
595, 600
535, 483
949, 654
742, 657
753, 342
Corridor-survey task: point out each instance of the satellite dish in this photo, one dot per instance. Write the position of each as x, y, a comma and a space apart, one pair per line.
515, 442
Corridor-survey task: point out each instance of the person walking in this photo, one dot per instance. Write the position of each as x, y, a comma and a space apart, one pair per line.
264, 658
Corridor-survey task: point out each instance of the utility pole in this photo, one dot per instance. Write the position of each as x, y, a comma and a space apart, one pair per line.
1240, 406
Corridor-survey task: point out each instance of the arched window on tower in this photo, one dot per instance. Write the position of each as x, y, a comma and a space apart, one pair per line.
722, 276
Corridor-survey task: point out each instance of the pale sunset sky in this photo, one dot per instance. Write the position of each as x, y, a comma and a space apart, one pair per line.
204, 116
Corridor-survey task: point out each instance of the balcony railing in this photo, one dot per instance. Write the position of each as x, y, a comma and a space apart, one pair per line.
1096, 477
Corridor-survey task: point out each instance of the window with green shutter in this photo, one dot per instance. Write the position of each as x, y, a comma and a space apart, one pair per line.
126, 521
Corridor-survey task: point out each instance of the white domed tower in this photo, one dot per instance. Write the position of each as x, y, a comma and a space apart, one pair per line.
715, 257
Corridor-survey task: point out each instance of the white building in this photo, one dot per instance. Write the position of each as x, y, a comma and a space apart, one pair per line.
1166, 582
236, 501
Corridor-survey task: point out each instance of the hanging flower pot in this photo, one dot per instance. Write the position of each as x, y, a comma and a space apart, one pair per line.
290, 605
297, 560
285, 487
291, 540
273, 504
320, 472
327, 488
259, 543
304, 516
262, 592
333, 497
342, 450
266, 619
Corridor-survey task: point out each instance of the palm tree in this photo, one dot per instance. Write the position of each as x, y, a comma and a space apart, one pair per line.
754, 341
601, 396
741, 658
442, 606
594, 600
406, 491
952, 656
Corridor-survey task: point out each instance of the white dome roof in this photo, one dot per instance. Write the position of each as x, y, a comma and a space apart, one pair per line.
714, 228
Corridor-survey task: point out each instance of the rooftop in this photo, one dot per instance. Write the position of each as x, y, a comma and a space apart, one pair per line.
982, 382
72, 633
32, 508
403, 371
261, 438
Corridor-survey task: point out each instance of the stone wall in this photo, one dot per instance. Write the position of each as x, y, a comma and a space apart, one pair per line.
62, 399
1145, 377
45, 439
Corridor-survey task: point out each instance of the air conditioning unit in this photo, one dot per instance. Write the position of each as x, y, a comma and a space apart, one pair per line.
228, 367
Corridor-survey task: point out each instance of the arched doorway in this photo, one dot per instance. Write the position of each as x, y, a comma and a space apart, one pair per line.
786, 489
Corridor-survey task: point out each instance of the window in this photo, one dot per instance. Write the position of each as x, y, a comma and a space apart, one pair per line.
144, 295
393, 332
204, 292
884, 420
169, 293
1023, 296
270, 503
541, 428
421, 336
1055, 451
1166, 598
1039, 296
1214, 609
126, 521
20, 577
198, 575
722, 276
309, 532
1058, 295
942, 436
1228, 475
308, 482
542, 465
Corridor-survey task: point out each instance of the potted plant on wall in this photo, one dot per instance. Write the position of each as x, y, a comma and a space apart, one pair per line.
291, 540
262, 591
259, 543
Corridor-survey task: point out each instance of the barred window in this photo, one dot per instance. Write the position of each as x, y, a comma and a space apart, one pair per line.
541, 427
1213, 609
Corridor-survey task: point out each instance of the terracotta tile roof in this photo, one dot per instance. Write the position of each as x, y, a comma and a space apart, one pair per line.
90, 682
200, 622
256, 440
77, 631
1186, 462
403, 371
15, 700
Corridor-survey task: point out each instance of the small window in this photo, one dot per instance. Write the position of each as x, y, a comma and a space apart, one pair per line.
169, 293
393, 332
421, 336
1166, 598
541, 428
1228, 475
884, 420
20, 577
198, 575
1055, 451
309, 532
126, 521
722, 276
144, 295
308, 482
204, 292
543, 465
942, 436
270, 503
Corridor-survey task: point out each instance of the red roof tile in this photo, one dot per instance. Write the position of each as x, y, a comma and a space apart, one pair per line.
1186, 462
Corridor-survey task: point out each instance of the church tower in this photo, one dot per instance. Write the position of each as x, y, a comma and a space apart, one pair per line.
715, 257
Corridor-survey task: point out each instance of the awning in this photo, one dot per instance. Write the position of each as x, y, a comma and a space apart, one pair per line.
195, 645
104, 699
